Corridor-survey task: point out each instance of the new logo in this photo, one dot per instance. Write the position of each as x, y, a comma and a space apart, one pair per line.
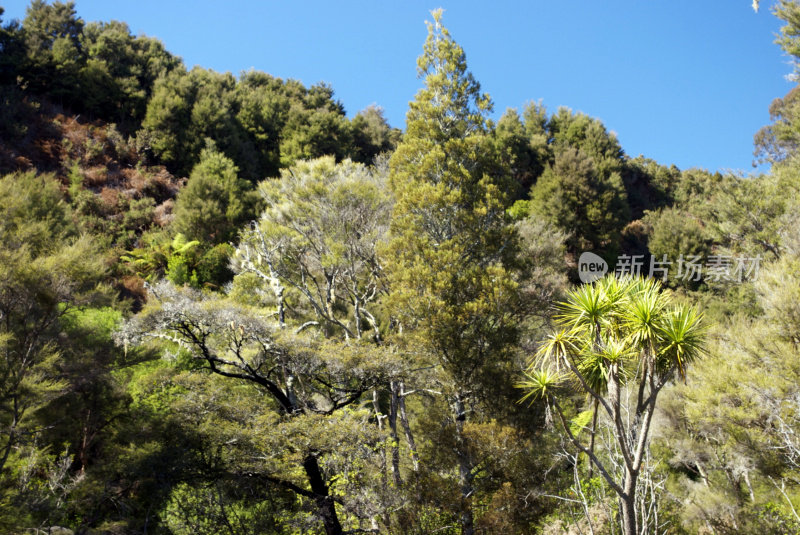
591, 267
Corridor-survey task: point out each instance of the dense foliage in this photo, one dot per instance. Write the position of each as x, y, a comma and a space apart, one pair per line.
226, 307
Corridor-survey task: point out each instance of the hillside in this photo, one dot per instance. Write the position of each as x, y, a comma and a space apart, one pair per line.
226, 307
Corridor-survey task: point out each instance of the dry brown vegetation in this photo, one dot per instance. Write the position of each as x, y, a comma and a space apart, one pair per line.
93, 154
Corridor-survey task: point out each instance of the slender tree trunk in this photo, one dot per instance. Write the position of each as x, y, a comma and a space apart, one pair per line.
379, 420
702, 473
83, 450
628, 504
393, 433
407, 427
357, 318
9, 445
377, 407
464, 469
383, 465
593, 431
12, 435
746, 478
326, 507
281, 307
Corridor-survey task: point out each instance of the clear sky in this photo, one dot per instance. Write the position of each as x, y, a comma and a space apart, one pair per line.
681, 81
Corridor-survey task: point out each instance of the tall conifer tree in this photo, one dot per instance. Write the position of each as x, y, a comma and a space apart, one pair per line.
452, 246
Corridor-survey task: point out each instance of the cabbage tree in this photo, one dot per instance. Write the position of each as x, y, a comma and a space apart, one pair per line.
620, 341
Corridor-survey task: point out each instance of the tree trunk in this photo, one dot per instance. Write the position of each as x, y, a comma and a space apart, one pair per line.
393, 433
464, 469
377, 407
383, 465
593, 432
627, 504
12, 434
326, 507
83, 449
407, 427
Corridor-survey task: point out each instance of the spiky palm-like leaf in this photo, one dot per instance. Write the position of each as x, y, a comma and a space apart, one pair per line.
615, 289
558, 346
615, 331
586, 307
594, 369
642, 314
596, 365
620, 324
539, 384
683, 338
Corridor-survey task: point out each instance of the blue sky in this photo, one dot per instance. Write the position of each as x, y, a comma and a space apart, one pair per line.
681, 81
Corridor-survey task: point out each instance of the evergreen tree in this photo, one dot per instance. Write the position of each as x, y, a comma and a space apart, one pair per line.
215, 203
315, 126
452, 248
780, 140
120, 72
47, 272
620, 342
579, 197
309, 349
54, 53
518, 153
12, 51
372, 135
